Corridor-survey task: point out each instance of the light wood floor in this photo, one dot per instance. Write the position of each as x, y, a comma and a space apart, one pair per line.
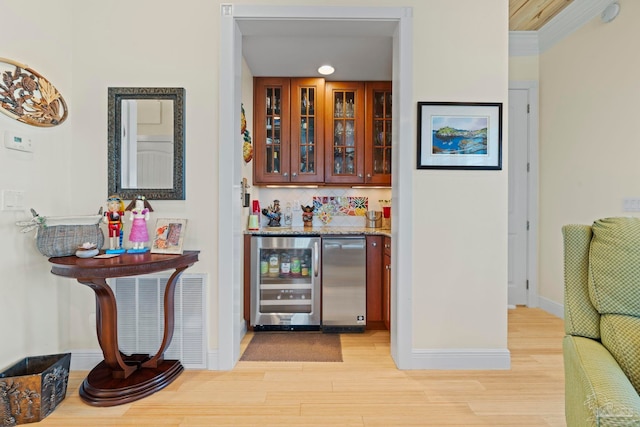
365, 390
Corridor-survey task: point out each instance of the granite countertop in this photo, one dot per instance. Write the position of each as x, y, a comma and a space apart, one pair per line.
314, 231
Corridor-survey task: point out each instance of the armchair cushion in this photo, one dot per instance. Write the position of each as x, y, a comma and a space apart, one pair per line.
580, 316
614, 266
621, 336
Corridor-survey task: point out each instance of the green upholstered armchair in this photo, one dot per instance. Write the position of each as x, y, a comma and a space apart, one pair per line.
602, 323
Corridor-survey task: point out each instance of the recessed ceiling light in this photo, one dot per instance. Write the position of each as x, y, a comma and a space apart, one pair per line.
325, 70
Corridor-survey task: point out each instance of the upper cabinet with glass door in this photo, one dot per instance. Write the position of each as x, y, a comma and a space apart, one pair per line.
308, 131
378, 132
344, 126
288, 130
272, 120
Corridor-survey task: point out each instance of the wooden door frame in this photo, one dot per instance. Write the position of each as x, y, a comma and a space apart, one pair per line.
228, 299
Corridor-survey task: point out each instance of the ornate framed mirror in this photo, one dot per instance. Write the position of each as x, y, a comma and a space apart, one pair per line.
146, 142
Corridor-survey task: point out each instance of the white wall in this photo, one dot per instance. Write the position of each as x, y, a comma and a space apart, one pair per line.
148, 43
524, 68
589, 149
460, 217
30, 299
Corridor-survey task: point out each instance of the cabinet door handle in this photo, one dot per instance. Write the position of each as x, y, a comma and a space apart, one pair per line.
374, 244
293, 174
387, 246
285, 174
316, 259
359, 175
369, 175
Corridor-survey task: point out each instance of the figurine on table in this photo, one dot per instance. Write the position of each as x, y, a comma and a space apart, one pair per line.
273, 213
113, 218
139, 216
307, 215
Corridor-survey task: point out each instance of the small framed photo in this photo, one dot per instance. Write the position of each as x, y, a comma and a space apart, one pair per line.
168, 236
456, 135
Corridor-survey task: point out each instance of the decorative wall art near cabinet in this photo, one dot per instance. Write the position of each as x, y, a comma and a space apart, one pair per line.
28, 97
308, 131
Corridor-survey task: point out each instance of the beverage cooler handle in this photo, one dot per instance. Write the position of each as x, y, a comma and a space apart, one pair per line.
316, 259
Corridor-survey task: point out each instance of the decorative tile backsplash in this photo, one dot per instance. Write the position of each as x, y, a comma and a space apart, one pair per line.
327, 207
340, 207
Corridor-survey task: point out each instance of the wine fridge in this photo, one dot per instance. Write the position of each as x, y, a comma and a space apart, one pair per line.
285, 283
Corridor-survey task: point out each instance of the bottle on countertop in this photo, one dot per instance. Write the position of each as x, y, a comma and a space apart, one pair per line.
287, 215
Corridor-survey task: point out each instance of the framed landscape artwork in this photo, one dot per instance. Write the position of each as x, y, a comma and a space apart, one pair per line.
455, 135
168, 236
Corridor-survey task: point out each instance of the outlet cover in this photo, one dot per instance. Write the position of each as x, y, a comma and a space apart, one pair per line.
631, 204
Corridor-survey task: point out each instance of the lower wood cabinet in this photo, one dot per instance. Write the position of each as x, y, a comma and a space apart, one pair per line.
374, 282
386, 283
378, 281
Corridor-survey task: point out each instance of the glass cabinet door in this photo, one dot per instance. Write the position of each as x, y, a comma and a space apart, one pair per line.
378, 133
271, 145
345, 156
272, 129
307, 144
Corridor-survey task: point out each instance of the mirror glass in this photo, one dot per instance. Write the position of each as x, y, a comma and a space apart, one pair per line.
146, 143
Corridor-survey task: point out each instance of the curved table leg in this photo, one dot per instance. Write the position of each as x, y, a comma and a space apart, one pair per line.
169, 318
113, 381
107, 327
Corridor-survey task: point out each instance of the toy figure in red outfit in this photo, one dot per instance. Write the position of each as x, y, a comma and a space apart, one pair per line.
113, 217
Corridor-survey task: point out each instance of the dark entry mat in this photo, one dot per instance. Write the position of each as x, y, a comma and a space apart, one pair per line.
293, 347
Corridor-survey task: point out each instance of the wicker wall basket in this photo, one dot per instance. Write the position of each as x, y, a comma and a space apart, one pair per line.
61, 236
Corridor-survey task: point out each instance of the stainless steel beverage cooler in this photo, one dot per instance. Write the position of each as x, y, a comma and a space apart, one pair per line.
344, 284
285, 283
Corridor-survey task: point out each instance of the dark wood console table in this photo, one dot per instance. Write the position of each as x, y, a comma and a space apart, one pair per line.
121, 378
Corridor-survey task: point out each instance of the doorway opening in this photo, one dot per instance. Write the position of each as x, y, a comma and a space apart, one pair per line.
229, 296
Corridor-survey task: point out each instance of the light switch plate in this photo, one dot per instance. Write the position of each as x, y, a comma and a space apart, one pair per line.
12, 200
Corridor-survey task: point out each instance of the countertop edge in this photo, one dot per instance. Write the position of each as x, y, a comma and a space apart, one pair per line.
318, 231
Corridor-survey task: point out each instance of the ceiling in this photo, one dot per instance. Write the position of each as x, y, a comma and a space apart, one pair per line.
531, 15
358, 50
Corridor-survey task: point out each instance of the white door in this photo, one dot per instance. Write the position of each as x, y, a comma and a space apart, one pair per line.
518, 195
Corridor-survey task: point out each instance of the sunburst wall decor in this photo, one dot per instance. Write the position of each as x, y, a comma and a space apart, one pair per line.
30, 98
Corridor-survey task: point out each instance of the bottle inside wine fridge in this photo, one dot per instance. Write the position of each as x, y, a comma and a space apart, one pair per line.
285, 283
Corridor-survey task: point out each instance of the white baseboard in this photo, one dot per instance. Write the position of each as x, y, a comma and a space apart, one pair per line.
453, 359
213, 356
85, 360
213, 363
551, 307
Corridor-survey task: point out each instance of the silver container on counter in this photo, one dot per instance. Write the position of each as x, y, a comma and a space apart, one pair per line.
373, 219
